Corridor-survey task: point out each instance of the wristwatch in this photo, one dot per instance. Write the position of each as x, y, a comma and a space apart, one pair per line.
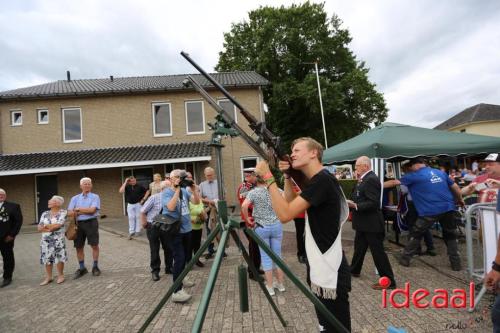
495, 266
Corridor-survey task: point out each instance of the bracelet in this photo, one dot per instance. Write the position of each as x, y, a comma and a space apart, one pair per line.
267, 176
495, 266
270, 181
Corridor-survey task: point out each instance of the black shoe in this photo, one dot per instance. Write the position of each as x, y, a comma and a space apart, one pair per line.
96, 271
209, 255
456, 266
155, 276
5, 283
168, 271
377, 286
79, 273
431, 252
200, 264
302, 259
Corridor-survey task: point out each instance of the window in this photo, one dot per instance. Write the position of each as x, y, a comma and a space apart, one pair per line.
248, 162
162, 119
43, 116
229, 107
16, 118
72, 125
195, 117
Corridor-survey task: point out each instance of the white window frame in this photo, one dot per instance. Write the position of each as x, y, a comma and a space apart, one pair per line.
202, 117
64, 125
157, 135
12, 113
39, 121
235, 109
246, 158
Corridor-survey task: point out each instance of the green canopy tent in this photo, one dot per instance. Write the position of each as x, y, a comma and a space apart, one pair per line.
395, 142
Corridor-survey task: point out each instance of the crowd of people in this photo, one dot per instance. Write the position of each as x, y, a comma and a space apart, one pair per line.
318, 208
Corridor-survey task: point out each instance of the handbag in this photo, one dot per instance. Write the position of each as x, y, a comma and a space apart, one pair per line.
169, 225
72, 229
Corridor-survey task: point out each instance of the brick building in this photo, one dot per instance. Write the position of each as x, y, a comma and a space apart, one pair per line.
53, 134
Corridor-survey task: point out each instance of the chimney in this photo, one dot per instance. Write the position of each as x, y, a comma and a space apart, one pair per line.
111, 78
68, 75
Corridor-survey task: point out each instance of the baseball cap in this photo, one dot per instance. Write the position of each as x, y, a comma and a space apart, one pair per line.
495, 157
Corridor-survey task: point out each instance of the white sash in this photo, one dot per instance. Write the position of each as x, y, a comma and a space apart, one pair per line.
324, 267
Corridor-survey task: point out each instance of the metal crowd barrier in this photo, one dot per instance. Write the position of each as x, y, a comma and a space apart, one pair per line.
478, 273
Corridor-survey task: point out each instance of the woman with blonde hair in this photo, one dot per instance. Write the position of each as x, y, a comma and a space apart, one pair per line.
53, 243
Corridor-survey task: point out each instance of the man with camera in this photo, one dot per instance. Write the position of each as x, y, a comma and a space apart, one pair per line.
175, 202
135, 195
156, 236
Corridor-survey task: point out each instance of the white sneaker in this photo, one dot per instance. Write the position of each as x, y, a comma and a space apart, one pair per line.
270, 290
279, 286
181, 296
187, 283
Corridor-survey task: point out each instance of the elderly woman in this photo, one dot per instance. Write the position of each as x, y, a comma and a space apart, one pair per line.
53, 245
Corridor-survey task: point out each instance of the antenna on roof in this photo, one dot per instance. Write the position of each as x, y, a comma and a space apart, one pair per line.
68, 75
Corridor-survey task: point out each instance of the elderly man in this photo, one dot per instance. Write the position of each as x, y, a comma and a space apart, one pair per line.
135, 195
435, 196
209, 192
368, 221
86, 206
156, 236
486, 194
175, 203
11, 220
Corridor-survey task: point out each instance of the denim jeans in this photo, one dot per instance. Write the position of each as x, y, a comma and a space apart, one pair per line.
177, 249
272, 235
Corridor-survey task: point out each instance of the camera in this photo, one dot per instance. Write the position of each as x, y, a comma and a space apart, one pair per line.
185, 182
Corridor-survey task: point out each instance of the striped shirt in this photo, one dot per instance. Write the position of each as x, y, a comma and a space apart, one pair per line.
152, 207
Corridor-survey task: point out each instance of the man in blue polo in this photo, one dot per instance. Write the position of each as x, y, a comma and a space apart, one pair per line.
435, 197
86, 206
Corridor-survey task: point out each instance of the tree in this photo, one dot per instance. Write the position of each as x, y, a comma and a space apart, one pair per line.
277, 43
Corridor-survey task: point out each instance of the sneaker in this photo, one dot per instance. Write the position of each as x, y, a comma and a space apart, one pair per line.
79, 273
279, 286
187, 283
270, 290
96, 271
130, 236
181, 297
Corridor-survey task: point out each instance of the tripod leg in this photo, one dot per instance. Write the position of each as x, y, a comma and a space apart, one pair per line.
302, 287
207, 292
177, 282
253, 269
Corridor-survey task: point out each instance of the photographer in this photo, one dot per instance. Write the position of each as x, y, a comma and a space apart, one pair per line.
176, 201
135, 195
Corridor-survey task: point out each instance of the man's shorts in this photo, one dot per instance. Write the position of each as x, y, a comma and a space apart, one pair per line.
88, 229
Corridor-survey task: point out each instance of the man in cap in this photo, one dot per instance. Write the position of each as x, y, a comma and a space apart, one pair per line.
479, 184
435, 196
11, 220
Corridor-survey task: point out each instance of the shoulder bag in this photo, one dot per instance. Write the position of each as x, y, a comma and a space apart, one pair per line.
72, 229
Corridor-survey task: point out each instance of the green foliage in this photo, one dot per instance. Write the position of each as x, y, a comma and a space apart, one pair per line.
277, 43
348, 186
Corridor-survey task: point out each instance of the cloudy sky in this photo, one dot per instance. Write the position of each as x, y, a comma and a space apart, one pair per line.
431, 59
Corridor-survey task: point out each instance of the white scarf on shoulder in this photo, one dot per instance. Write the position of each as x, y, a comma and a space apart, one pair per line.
324, 267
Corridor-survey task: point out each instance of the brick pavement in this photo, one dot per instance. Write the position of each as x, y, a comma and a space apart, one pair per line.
124, 295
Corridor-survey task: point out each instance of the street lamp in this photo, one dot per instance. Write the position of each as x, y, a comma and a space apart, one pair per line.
320, 100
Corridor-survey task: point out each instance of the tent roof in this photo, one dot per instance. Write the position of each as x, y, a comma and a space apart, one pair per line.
392, 141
